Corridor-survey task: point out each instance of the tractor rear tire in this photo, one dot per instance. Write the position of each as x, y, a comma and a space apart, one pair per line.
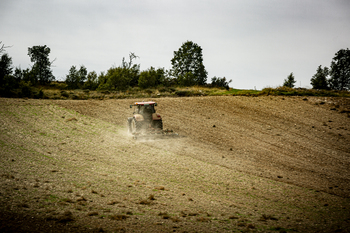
129, 125
135, 126
158, 124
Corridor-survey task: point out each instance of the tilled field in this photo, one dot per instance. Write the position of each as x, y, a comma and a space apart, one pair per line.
240, 164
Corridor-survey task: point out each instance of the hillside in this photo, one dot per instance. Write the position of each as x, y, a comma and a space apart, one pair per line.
241, 163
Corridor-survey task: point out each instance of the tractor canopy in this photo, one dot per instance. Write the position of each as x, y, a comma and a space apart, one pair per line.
144, 103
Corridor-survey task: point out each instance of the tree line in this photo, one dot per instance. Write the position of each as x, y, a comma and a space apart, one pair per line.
187, 70
337, 77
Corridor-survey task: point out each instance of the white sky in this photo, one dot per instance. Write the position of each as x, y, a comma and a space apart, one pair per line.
256, 43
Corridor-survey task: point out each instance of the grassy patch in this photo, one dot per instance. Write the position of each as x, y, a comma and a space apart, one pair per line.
286, 91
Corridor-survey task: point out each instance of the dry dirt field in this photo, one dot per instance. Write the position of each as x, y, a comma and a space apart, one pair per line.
241, 164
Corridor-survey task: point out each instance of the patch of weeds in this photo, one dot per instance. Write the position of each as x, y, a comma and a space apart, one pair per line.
64, 94
183, 93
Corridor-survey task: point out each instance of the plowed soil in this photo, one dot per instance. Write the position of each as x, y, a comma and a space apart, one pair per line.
261, 164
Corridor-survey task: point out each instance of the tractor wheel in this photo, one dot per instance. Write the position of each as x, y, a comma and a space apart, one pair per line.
158, 124
135, 126
129, 125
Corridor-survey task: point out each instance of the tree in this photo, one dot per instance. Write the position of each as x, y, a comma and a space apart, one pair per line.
41, 68
319, 80
5, 68
120, 78
82, 75
3, 47
92, 81
72, 79
188, 65
148, 78
340, 70
289, 82
152, 78
75, 79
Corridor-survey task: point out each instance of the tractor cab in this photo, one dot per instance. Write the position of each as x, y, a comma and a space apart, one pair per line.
144, 107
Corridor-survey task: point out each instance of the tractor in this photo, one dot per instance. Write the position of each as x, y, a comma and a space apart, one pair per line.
145, 119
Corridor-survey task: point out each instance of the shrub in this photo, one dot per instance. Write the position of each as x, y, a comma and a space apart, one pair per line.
183, 93
26, 89
220, 82
64, 94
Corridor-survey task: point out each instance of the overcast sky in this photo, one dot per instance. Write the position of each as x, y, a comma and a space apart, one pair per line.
256, 43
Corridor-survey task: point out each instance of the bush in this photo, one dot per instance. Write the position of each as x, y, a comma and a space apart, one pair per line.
183, 93
64, 94
39, 95
26, 89
220, 82
148, 78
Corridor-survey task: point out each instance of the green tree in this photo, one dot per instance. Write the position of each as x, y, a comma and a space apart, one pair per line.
75, 79
319, 80
5, 68
289, 81
92, 81
82, 75
340, 70
41, 69
152, 78
29, 76
120, 78
148, 78
102, 81
72, 79
187, 65
187, 79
